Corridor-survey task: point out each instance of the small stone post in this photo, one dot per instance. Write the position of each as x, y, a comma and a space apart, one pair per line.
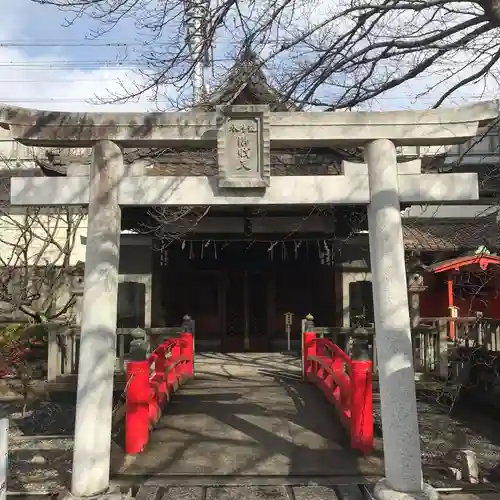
91, 456
308, 323
470, 467
403, 465
187, 325
360, 350
443, 349
308, 342
139, 346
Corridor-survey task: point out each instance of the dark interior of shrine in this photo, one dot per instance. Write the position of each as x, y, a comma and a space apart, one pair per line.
238, 292
238, 286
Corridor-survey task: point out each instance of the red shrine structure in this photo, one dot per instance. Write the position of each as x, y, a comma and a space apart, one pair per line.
462, 286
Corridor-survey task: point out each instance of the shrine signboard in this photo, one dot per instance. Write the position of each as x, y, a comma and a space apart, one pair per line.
243, 146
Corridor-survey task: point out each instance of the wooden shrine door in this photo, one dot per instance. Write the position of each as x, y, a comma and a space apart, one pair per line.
246, 311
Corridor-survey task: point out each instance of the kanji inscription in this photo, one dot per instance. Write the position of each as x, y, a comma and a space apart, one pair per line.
246, 144
243, 147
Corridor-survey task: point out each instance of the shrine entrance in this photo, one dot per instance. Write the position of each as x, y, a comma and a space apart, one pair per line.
238, 292
247, 311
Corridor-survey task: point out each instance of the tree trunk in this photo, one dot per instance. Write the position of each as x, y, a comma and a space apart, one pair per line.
492, 10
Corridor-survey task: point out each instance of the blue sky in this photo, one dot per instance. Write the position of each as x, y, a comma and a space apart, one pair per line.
63, 70
58, 73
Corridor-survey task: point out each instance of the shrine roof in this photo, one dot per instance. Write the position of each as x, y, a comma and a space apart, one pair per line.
246, 83
167, 162
483, 260
454, 234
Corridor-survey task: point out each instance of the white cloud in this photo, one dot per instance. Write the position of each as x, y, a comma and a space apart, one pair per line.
68, 90
50, 79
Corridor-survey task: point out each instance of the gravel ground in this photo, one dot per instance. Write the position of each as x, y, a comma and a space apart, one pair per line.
442, 436
41, 417
39, 464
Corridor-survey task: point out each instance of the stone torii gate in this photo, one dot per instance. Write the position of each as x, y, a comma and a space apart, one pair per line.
244, 136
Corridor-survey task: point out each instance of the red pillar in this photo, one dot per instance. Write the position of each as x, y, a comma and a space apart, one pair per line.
187, 351
451, 306
175, 353
137, 407
160, 365
362, 406
308, 349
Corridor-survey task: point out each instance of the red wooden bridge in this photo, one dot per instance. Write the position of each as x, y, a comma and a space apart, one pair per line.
241, 416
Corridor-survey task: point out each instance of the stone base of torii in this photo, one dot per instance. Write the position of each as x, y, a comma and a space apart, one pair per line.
244, 136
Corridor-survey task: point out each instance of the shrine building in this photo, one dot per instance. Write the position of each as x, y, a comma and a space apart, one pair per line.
238, 270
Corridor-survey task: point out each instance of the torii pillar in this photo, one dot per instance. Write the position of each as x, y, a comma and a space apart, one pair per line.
96, 363
402, 455
381, 184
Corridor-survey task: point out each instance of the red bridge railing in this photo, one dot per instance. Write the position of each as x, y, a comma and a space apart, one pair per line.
346, 383
150, 385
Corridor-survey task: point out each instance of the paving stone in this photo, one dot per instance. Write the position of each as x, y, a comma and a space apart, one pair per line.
315, 493
247, 492
183, 493
149, 493
350, 492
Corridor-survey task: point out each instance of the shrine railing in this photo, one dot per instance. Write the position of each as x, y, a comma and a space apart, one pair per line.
151, 384
475, 335
429, 343
475, 331
345, 382
63, 347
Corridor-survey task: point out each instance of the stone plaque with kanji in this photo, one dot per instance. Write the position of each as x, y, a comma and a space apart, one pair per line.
243, 146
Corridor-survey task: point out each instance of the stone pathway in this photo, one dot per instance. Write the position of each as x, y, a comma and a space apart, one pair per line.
250, 414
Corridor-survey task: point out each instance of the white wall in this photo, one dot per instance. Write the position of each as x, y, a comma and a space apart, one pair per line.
41, 237
483, 149
450, 211
44, 232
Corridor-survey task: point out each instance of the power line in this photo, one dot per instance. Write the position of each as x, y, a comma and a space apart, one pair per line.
422, 99
114, 80
71, 62
54, 63
12, 44
68, 100
102, 43
82, 64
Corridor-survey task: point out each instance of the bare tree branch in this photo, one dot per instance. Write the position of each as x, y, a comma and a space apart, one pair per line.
35, 262
336, 56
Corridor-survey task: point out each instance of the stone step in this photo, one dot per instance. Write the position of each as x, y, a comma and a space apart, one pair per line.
288, 492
